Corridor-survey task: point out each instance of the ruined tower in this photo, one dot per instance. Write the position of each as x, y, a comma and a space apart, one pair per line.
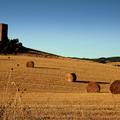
3, 32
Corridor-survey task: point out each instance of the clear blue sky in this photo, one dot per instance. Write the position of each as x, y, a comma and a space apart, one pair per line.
70, 28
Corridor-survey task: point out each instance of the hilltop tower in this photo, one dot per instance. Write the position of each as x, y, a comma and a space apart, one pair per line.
3, 32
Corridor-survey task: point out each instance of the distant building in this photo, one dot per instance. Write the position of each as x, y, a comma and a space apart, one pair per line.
3, 32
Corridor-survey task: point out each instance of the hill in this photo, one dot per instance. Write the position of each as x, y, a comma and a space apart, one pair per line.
36, 53
14, 47
102, 59
42, 92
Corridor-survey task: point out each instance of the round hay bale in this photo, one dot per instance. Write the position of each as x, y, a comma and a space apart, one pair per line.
30, 64
115, 87
71, 77
93, 87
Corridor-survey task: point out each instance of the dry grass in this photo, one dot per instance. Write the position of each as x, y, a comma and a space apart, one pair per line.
49, 96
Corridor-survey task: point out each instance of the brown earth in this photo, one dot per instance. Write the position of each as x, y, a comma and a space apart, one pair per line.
43, 93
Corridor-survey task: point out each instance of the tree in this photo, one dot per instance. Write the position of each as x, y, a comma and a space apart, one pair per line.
10, 46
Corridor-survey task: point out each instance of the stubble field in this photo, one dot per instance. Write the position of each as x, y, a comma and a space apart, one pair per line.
42, 92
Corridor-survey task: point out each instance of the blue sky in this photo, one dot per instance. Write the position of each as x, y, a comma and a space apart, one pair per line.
70, 28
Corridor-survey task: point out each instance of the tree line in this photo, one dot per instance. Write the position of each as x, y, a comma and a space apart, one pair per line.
101, 60
10, 46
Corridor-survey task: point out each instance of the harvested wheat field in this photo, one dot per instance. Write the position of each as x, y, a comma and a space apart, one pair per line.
41, 92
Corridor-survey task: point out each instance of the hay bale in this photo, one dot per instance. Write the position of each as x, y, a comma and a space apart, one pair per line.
71, 77
30, 64
93, 87
115, 87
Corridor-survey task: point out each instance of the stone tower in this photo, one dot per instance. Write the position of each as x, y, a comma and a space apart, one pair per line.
3, 32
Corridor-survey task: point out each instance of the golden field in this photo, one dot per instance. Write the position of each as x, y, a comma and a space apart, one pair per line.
44, 94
